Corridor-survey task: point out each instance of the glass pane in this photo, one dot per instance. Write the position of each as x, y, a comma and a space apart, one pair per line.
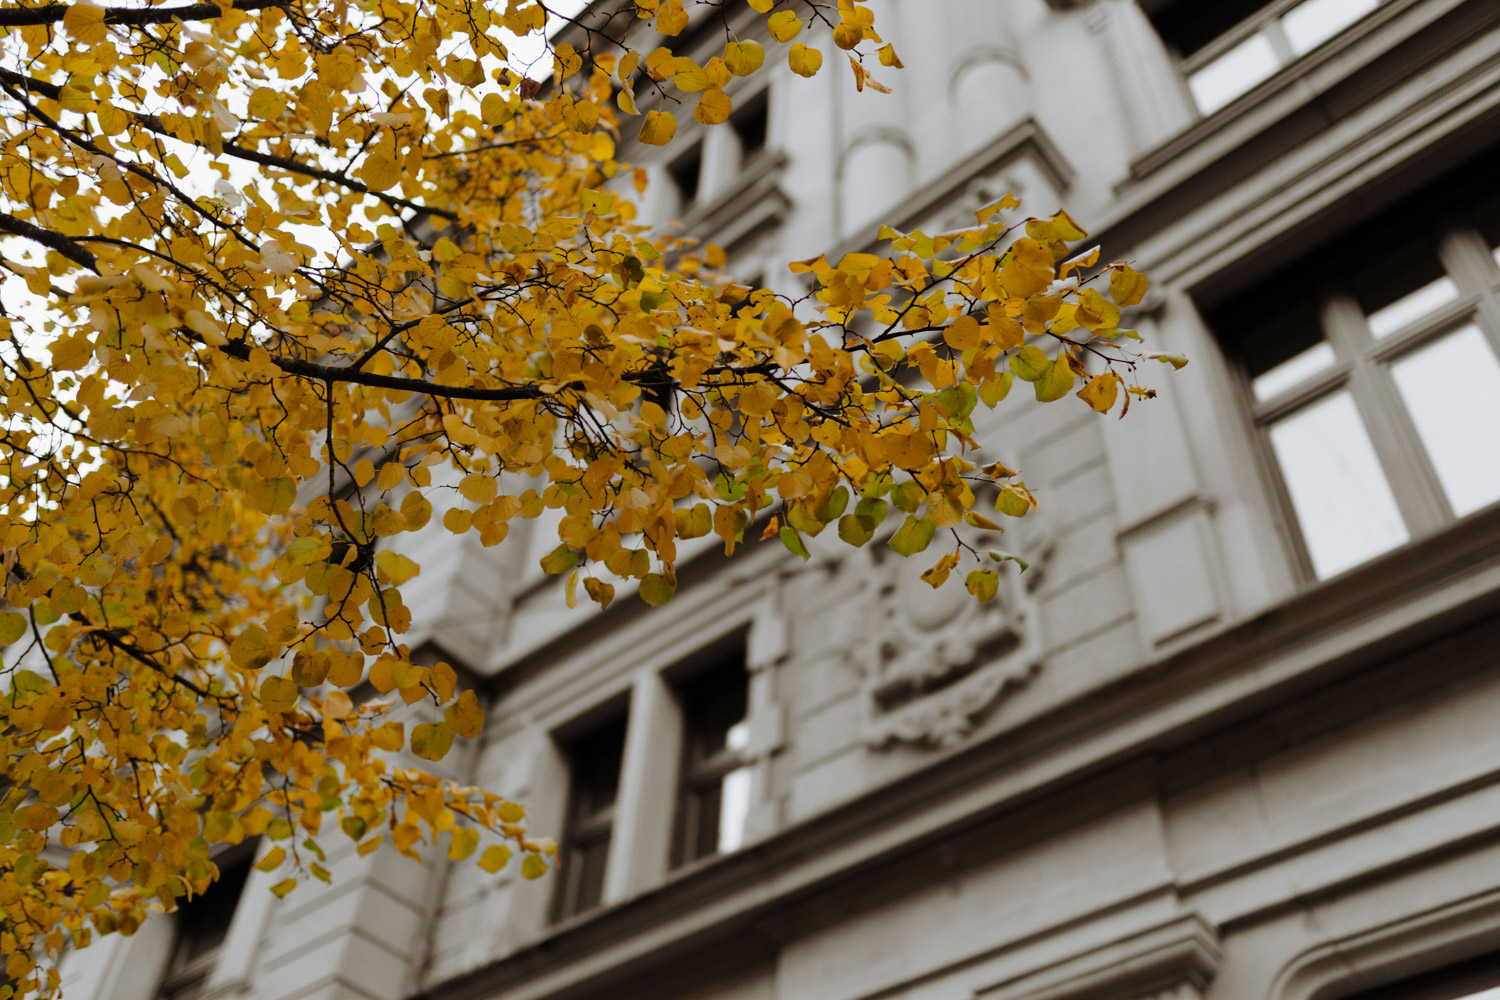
1411, 308
590, 859
734, 807
596, 769
1293, 371
714, 703
1343, 503
1233, 73
1310, 24
1450, 388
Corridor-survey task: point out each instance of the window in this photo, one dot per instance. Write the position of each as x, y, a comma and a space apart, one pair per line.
594, 764
713, 797
1229, 46
1373, 380
714, 161
201, 926
686, 173
750, 123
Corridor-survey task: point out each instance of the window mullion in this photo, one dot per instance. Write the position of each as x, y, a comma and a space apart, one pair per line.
1407, 469
1467, 256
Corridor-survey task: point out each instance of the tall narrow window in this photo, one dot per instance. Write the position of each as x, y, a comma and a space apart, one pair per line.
201, 925
595, 768
1373, 380
750, 124
714, 795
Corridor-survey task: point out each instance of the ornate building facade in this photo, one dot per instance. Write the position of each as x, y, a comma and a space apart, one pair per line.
1231, 737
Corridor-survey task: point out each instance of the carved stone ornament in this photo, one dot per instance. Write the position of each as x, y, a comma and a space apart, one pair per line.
937, 662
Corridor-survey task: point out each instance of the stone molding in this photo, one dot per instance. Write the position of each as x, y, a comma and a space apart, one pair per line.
938, 661
1401, 948
1175, 960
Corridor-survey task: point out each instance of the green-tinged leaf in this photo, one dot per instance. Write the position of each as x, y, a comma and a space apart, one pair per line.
793, 541
856, 529
1001, 557
908, 496
1056, 382
1015, 500
656, 590
533, 866
432, 740
1029, 363
913, 536
559, 561
12, 627
983, 584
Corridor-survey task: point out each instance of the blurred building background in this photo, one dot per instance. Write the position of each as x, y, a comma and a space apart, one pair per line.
1236, 733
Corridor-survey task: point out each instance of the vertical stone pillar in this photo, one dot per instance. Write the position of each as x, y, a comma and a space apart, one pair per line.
988, 85
876, 168
1149, 92
644, 808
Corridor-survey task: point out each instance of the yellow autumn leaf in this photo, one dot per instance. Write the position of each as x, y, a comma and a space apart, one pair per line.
494, 858
804, 60
658, 128
785, 25
478, 488
1100, 391
465, 716
743, 58
713, 108
432, 740
278, 694
396, 567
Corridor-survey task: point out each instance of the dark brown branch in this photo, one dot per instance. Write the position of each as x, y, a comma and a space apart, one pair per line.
50, 240
17, 17
344, 373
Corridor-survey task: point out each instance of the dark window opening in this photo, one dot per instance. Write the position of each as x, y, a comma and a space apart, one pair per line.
751, 123
714, 791
594, 762
202, 926
686, 173
1190, 25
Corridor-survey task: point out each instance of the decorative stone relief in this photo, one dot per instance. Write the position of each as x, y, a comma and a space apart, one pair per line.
936, 662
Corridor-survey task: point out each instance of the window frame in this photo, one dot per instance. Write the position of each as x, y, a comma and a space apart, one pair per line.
188, 978
1363, 366
698, 776
1265, 21
582, 830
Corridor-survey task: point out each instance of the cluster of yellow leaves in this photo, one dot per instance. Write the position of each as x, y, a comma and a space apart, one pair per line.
216, 437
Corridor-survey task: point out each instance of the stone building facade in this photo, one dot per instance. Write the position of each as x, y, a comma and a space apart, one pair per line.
1232, 737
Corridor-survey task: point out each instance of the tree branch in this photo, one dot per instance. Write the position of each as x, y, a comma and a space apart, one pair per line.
50, 240
16, 17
